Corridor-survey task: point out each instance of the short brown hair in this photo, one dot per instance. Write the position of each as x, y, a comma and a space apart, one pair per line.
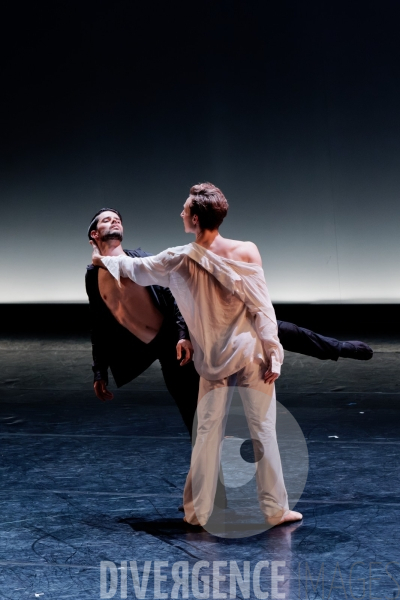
209, 204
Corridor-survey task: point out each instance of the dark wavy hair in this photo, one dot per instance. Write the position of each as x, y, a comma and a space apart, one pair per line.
209, 204
95, 219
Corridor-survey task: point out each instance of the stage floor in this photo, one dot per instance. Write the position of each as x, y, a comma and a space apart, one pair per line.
85, 481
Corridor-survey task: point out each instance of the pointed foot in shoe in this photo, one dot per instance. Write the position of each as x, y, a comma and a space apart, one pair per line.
356, 350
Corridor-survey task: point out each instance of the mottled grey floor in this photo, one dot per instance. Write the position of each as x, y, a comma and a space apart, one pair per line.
84, 481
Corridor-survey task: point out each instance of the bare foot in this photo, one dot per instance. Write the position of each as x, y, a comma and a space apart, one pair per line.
289, 517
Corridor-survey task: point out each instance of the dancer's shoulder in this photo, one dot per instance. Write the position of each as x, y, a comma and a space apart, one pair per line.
243, 251
252, 253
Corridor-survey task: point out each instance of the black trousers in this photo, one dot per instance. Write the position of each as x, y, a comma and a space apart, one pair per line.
181, 382
303, 341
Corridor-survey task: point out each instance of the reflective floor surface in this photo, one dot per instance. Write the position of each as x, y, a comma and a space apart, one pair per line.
85, 482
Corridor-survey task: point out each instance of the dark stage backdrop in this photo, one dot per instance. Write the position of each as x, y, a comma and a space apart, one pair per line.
292, 108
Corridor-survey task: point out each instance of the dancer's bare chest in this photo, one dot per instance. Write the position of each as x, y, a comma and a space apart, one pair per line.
131, 305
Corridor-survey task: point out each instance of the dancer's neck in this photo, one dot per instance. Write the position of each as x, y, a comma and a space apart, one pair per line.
206, 237
110, 248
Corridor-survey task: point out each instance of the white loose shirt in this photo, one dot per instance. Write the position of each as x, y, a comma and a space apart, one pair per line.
224, 302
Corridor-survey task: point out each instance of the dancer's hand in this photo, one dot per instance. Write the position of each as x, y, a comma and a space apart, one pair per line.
187, 348
96, 256
270, 377
101, 391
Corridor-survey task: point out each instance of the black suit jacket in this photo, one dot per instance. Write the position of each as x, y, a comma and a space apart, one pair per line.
112, 344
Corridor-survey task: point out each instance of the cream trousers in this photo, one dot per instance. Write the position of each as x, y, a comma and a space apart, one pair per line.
212, 412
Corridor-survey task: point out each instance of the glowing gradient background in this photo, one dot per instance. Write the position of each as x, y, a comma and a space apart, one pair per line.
292, 108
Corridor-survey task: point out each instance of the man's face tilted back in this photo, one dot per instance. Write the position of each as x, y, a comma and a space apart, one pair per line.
109, 227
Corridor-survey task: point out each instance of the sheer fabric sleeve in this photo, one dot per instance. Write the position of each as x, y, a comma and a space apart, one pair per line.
267, 331
149, 270
257, 299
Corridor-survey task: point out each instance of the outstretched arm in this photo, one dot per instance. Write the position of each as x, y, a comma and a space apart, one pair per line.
148, 270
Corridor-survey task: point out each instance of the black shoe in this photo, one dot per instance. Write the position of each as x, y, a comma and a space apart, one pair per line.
357, 350
180, 508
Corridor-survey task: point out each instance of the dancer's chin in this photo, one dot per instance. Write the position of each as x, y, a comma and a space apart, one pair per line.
112, 235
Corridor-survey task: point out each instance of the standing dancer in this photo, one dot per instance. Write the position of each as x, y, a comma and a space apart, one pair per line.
220, 289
